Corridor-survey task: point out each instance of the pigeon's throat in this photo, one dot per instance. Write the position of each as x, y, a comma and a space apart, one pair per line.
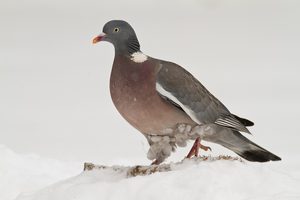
127, 47
133, 45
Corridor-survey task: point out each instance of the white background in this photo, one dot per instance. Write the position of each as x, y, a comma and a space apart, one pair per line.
54, 96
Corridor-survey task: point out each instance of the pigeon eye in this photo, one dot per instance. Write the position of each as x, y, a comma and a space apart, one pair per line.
116, 30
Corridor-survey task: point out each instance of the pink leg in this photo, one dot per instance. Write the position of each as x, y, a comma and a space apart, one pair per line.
195, 148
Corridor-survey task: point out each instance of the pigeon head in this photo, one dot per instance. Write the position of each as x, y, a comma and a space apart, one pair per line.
121, 35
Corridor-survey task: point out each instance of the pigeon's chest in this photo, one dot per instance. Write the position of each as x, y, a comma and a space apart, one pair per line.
133, 91
130, 82
132, 86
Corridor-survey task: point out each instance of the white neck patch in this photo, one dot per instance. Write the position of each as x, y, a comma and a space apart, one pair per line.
138, 57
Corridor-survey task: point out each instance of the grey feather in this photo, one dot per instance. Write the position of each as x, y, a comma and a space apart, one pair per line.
193, 95
242, 146
231, 122
244, 121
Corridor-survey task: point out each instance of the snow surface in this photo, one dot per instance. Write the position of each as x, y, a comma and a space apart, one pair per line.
23, 176
22, 173
56, 111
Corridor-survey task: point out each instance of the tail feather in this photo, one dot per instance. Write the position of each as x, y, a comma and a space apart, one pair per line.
245, 122
247, 149
259, 156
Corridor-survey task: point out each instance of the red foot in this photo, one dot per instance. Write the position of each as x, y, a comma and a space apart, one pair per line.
195, 148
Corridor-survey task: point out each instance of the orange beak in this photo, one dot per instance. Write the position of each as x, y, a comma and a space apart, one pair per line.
99, 38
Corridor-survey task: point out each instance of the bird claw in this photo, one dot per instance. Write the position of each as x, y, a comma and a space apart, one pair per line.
195, 148
205, 148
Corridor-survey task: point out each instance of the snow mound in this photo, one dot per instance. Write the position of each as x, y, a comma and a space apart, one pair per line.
189, 179
23, 173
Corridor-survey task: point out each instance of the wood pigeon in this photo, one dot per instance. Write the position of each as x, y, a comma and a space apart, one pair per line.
168, 105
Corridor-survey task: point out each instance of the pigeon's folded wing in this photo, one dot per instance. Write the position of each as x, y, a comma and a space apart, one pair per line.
178, 86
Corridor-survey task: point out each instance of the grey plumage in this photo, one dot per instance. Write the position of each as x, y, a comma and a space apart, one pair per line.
122, 36
192, 94
167, 104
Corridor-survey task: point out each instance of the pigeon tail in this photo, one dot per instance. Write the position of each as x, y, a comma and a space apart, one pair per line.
247, 149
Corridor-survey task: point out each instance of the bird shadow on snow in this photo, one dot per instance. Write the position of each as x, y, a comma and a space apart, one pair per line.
231, 177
